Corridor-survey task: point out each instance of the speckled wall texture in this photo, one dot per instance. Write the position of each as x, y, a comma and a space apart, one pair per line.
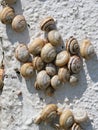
78, 18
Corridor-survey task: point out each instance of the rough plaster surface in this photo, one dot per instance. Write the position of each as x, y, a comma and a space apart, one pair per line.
74, 17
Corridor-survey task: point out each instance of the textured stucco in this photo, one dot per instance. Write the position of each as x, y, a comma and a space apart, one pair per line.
73, 17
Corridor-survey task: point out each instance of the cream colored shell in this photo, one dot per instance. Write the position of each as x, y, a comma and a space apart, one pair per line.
49, 91
48, 53
66, 119
10, 1
19, 23
1, 78
75, 64
7, 15
51, 69
55, 82
72, 45
36, 46
27, 70
74, 79
76, 127
47, 24
43, 80
22, 53
48, 113
63, 74
38, 64
86, 49
62, 58
54, 37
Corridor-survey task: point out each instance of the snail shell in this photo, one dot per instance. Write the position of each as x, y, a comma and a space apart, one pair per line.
86, 49
1, 78
63, 74
43, 80
22, 53
38, 64
48, 53
55, 82
75, 127
47, 24
49, 91
54, 37
10, 1
36, 46
48, 113
66, 119
19, 23
75, 64
27, 70
62, 58
72, 45
7, 15
80, 115
51, 69
73, 79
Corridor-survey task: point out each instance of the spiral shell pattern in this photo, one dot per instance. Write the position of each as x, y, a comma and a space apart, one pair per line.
55, 82
51, 69
75, 127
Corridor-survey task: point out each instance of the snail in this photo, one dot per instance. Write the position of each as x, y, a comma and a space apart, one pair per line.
48, 114
42, 80
7, 15
63, 74
86, 49
49, 91
75, 64
36, 46
22, 53
1, 78
55, 82
62, 58
51, 69
66, 119
80, 115
19, 23
48, 53
10, 1
47, 24
75, 127
38, 64
72, 45
73, 79
27, 70
54, 37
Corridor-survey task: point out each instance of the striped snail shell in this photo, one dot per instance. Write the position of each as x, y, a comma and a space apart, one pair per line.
7, 15
10, 1
86, 49
55, 82
75, 64
47, 24
76, 127
72, 45
51, 69
48, 53
22, 53
19, 23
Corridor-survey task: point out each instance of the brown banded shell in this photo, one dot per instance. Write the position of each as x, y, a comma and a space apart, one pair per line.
75, 127
19, 23
74, 79
66, 119
27, 70
7, 15
63, 74
47, 24
49, 91
86, 49
48, 114
55, 82
10, 1
36, 46
54, 37
22, 53
72, 45
38, 64
1, 78
62, 58
51, 69
48, 53
75, 64
42, 80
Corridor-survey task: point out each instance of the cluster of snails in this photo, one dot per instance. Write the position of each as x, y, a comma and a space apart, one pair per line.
52, 68
8, 16
62, 119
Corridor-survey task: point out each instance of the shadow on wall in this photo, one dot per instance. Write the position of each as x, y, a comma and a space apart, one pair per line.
21, 37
